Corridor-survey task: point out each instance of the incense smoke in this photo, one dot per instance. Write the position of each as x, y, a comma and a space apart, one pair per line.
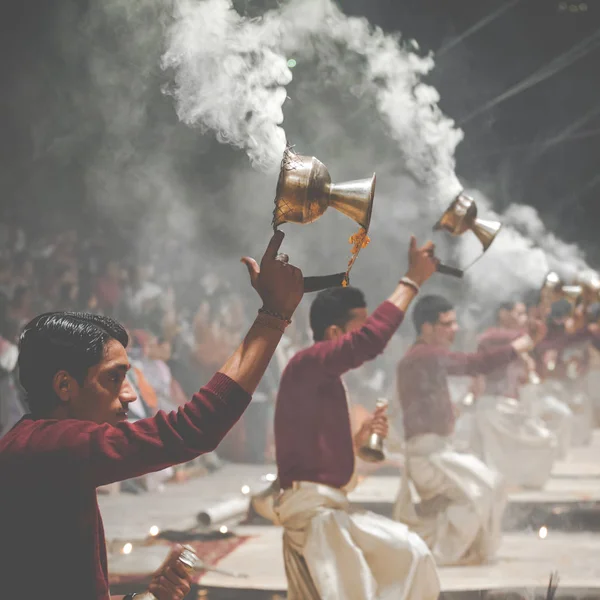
142, 89
230, 73
230, 77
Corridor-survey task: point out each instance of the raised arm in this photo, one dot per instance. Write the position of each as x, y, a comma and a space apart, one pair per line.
354, 348
477, 363
107, 453
560, 343
280, 286
488, 359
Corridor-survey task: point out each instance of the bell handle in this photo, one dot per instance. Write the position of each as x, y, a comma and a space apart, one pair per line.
448, 270
322, 282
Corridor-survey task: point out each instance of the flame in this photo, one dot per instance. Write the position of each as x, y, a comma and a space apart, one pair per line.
359, 240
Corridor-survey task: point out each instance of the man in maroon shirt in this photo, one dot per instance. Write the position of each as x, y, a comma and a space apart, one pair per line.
73, 367
461, 500
507, 437
329, 552
562, 360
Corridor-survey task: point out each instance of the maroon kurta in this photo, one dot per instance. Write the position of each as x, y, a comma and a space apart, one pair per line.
51, 534
423, 383
558, 349
507, 379
313, 437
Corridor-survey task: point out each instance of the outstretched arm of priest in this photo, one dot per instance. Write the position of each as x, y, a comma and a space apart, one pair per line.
106, 453
354, 348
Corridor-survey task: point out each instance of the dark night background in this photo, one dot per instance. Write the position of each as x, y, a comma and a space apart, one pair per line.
509, 142
540, 147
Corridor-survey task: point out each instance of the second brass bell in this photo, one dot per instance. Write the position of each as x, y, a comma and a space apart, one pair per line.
461, 216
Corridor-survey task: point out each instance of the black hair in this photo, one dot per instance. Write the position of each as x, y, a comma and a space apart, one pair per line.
507, 306
332, 307
560, 309
57, 341
428, 310
532, 298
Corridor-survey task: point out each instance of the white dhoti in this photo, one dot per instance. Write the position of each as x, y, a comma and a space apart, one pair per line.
541, 402
461, 501
582, 408
333, 552
592, 388
512, 442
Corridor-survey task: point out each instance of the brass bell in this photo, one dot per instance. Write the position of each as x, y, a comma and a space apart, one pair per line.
305, 192
461, 216
373, 450
553, 290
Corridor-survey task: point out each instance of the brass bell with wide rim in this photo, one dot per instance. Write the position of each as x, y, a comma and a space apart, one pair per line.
373, 450
553, 290
460, 217
305, 192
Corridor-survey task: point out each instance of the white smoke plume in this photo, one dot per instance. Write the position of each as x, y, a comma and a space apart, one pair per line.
357, 100
520, 256
230, 74
229, 77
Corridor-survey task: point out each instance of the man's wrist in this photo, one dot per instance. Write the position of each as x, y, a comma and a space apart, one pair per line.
275, 314
410, 283
523, 344
270, 322
415, 277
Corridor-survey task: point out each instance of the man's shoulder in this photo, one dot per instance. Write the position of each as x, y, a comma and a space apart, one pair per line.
303, 367
498, 335
419, 352
18, 431
304, 357
30, 435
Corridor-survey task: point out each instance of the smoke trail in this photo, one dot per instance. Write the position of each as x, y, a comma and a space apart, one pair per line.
357, 101
229, 78
230, 73
521, 255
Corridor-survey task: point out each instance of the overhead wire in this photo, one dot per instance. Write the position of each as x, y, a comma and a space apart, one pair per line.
476, 27
554, 66
455, 41
527, 146
571, 129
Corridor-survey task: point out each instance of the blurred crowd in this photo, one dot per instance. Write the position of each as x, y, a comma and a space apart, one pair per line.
185, 316
183, 324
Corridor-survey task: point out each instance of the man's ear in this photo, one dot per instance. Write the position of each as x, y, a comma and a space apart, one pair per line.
63, 385
333, 332
426, 329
